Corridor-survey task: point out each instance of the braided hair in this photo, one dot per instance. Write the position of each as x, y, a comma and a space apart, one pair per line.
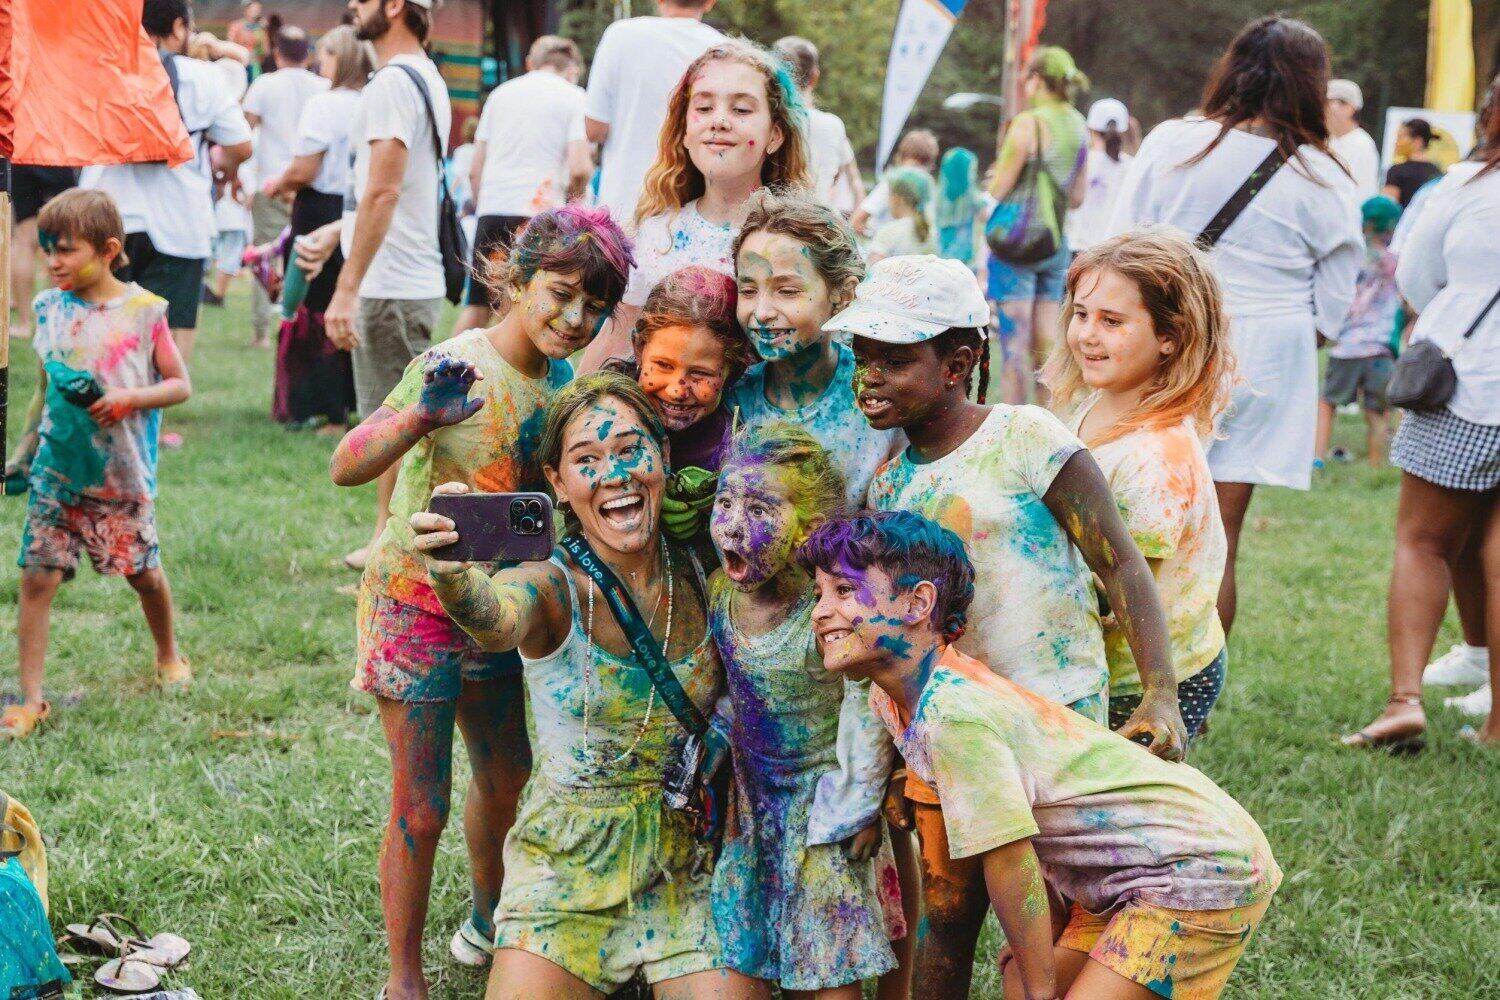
974, 338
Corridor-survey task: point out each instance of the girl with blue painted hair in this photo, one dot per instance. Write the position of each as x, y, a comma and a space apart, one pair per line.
957, 206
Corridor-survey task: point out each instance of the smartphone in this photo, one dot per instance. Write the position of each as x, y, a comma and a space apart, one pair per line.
510, 527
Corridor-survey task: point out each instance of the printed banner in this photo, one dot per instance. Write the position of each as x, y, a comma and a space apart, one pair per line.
922, 29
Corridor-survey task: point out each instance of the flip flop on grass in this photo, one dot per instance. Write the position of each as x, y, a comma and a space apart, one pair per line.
165, 951
18, 722
127, 975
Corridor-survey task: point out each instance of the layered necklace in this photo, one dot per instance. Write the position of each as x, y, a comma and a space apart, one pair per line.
588, 663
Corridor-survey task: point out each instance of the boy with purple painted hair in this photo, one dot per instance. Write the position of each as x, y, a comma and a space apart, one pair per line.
1106, 866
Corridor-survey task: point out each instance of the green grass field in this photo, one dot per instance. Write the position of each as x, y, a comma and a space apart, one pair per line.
261, 848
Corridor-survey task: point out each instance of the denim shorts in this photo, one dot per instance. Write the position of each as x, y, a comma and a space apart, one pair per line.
1044, 281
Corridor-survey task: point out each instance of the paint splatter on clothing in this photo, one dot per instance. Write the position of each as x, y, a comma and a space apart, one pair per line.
599, 873
1035, 619
1369, 329
1160, 480
410, 655
672, 240
493, 451
119, 536
833, 419
1111, 824
1179, 954
116, 343
817, 921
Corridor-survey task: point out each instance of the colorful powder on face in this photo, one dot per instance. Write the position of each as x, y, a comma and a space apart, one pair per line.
574, 239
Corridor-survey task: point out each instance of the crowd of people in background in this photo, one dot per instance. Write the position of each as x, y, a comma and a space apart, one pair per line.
931, 535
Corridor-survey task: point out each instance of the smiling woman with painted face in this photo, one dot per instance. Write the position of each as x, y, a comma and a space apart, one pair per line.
602, 878
564, 275
734, 123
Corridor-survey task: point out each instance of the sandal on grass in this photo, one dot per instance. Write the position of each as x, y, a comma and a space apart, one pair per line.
470, 947
18, 721
127, 974
174, 677
1394, 742
165, 951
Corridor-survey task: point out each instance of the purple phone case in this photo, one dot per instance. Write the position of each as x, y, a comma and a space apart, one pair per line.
485, 529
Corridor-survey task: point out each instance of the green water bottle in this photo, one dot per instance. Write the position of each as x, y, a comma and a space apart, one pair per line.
294, 287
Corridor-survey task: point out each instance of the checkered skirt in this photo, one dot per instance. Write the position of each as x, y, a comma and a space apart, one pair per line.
1448, 451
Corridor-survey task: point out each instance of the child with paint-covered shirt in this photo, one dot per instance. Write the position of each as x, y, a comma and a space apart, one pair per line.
89, 444
1102, 862
469, 410
1144, 369
797, 264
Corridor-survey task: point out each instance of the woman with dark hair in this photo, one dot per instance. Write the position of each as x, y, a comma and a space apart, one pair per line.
314, 379
1287, 260
1026, 297
1449, 457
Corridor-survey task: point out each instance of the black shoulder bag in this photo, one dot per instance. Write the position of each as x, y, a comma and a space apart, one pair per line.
696, 780
452, 245
1241, 198
1424, 378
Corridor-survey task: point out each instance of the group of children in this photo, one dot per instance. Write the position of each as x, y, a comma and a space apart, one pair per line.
1013, 583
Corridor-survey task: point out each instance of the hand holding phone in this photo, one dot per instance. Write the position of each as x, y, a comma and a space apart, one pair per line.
491, 527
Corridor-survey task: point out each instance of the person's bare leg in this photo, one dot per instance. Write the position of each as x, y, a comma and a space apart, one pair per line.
1016, 376
420, 738
1469, 590
221, 283
954, 902
23, 251
718, 984
1066, 964
185, 338
520, 975
492, 718
896, 984
1234, 504
1095, 981
385, 488
1325, 430
1490, 557
470, 317
849, 992
1432, 524
1375, 437
38, 589
1043, 336
156, 601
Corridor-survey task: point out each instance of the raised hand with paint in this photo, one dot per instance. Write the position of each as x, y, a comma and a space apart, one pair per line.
689, 349
1026, 786
602, 880
735, 122
1027, 498
90, 459
468, 411
1145, 368
797, 265
794, 891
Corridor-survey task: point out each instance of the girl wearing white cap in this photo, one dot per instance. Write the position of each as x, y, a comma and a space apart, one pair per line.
1027, 498
1109, 124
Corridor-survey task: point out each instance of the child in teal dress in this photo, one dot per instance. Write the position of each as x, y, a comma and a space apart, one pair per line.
794, 895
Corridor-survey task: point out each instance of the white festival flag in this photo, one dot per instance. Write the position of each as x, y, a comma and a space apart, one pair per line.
922, 29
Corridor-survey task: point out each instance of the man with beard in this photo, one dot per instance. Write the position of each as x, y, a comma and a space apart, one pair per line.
390, 292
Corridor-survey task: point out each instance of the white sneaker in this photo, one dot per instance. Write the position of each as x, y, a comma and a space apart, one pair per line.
1476, 703
471, 948
1460, 666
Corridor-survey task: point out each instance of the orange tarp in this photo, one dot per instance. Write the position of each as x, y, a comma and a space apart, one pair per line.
83, 84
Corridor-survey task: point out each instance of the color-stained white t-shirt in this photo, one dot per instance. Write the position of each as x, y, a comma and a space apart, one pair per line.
1161, 482
1109, 822
673, 240
408, 264
638, 62
829, 150
524, 127
1035, 616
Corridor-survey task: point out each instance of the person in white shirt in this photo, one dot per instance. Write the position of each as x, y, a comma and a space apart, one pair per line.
1449, 456
273, 105
520, 156
389, 294
1348, 141
1288, 262
169, 212
835, 175
1109, 123
638, 62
